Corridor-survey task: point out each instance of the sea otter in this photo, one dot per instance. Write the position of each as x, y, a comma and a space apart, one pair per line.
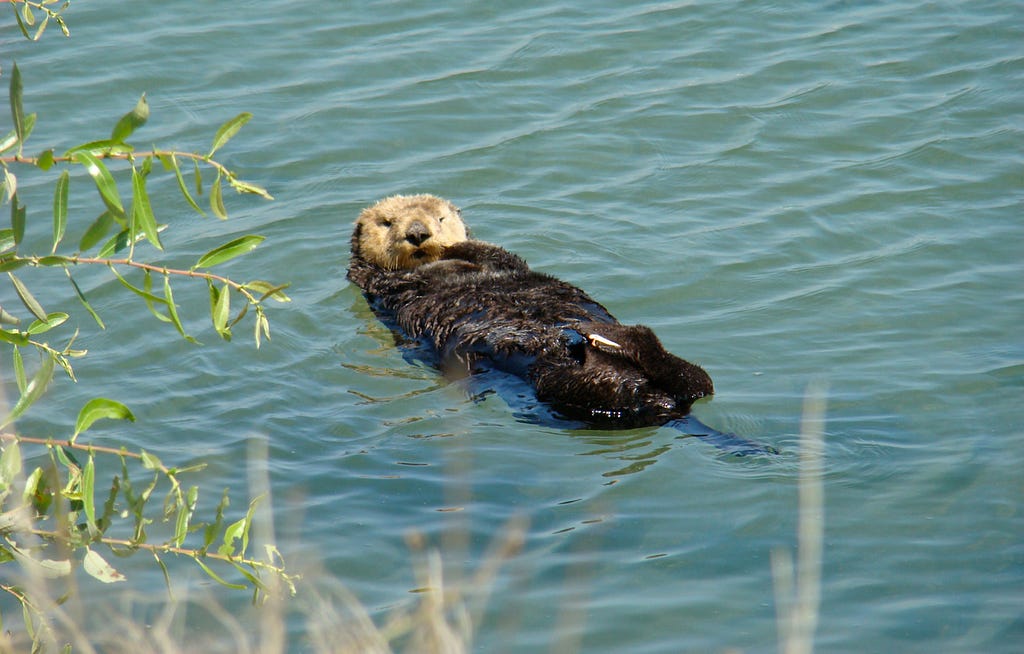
479, 306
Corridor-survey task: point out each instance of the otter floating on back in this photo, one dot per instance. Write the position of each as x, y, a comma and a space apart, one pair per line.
481, 306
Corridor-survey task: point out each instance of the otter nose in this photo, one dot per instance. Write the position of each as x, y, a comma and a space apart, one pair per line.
417, 233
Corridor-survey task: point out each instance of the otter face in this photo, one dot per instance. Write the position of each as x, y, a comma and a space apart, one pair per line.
405, 231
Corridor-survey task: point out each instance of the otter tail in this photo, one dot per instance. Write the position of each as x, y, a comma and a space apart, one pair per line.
729, 443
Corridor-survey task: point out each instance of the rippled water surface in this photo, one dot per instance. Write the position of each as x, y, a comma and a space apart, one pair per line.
786, 193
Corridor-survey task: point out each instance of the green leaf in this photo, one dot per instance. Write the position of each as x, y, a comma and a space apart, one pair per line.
10, 184
211, 530
217, 200
11, 261
52, 320
173, 311
10, 465
131, 121
247, 187
221, 311
99, 408
198, 174
229, 251
33, 391
26, 298
104, 182
95, 565
266, 289
45, 160
19, 371
147, 286
227, 130
60, 209
150, 462
7, 240
14, 337
9, 141
142, 211
214, 576
171, 162
138, 291
114, 244
97, 230
17, 110
88, 481
101, 147
184, 517
17, 219
85, 303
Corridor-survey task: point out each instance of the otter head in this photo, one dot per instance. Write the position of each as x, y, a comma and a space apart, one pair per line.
405, 231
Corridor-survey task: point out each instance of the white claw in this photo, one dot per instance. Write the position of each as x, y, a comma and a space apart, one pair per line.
597, 339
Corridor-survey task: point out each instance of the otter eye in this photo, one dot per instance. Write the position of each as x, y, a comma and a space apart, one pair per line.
385, 223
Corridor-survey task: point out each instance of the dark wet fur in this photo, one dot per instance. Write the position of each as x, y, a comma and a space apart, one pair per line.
481, 306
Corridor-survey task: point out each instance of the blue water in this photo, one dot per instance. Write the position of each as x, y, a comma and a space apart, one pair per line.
789, 193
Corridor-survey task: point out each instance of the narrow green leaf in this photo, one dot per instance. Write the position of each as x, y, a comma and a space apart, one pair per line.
266, 289
19, 371
147, 286
97, 230
101, 147
229, 250
198, 174
211, 531
42, 26
26, 298
262, 326
24, 31
231, 534
17, 110
10, 465
248, 187
136, 290
11, 261
214, 576
99, 408
131, 121
10, 184
171, 162
30, 18
33, 391
85, 303
185, 516
221, 312
8, 319
54, 260
150, 462
60, 209
142, 211
227, 130
9, 141
7, 239
104, 182
98, 568
52, 320
14, 337
35, 488
17, 219
217, 200
114, 244
167, 575
88, 481
173, 311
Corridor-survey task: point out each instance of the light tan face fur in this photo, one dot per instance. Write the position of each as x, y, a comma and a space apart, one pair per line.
405, 231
